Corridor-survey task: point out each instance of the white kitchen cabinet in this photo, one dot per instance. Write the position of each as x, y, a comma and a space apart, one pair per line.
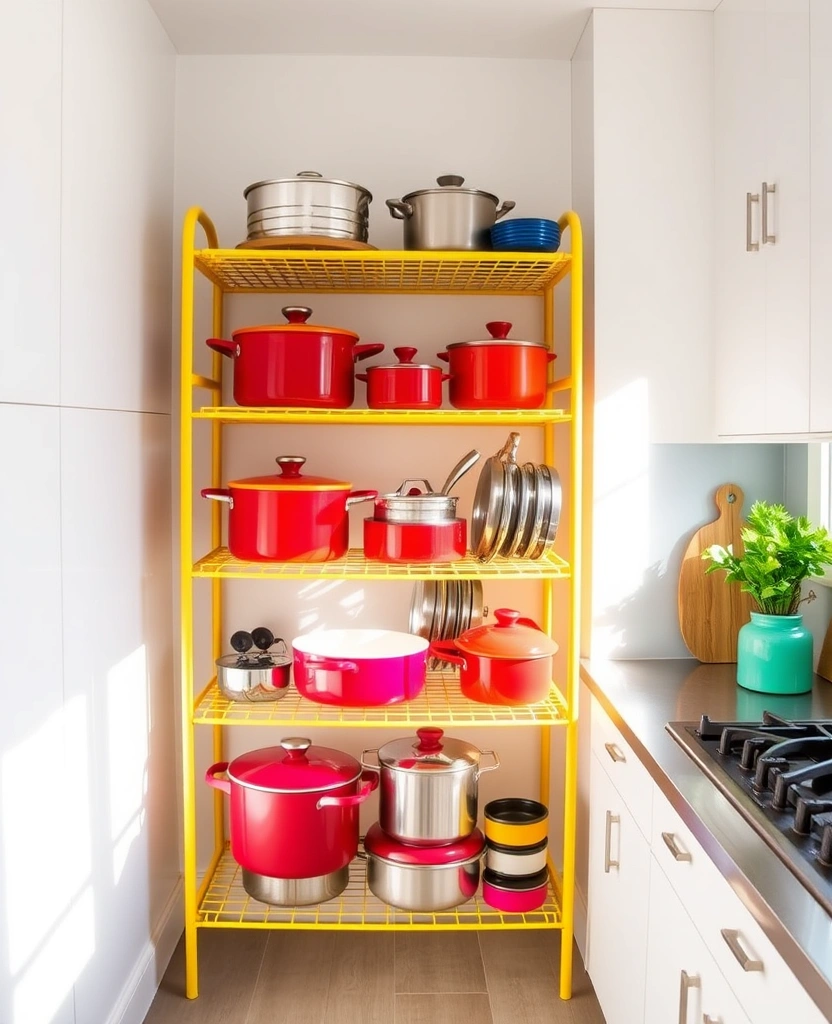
619, 869
762, 183
820, 406
683, 981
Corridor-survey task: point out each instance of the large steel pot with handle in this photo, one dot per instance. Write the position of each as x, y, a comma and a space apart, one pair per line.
448, 217
308, 204
429, 784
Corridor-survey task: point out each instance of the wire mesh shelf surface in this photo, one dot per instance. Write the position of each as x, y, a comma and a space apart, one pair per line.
221, 563
226, 904
441, 702
484, 273
397, 417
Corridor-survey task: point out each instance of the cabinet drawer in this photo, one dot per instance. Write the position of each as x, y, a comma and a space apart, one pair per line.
764, 985
627, 773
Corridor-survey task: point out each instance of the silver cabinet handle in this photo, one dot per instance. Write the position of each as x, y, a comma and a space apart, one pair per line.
614, 752
764, 194
732, 940
686, 983
749, 199
673, 846
609, 863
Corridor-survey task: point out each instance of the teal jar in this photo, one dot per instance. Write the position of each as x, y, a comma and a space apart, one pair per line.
774, 654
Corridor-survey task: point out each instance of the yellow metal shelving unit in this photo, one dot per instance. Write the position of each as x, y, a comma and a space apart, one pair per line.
218, 900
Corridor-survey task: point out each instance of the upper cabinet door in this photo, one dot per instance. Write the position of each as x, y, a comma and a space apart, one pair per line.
821, 221
740, 136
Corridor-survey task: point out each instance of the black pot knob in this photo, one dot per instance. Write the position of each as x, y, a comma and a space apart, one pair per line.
263, 638
242, 641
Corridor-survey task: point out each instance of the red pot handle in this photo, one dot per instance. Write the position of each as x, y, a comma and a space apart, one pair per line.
443, 356
218, 494
498, 329
404, 354
508, 617
329, 664
369, 783
446, 376
361, 376
213, 772
446, 650
225, 348
355, 497
551, 357
430, 739
365, 351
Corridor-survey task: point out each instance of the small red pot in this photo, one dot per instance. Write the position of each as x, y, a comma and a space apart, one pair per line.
359, 667
506, 663
415, 542
499, 372
294, 364
404, 385
294, 808
515, 895
288, 517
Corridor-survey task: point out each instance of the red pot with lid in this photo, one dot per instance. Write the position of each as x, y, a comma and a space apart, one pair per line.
507, 662
498, 372
405, 384
294, 808
288, 516
294, 364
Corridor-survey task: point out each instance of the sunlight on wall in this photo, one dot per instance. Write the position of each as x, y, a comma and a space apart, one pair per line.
128, 729
621, 507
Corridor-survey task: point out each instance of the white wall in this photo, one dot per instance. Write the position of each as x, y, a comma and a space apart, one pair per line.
392, 125
88, 834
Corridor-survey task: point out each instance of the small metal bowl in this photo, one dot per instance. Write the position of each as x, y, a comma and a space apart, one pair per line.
250, 682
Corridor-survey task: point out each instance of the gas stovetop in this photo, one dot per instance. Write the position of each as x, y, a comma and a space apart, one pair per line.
778, 774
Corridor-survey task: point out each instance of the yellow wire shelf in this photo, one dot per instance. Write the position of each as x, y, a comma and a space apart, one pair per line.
399, 417
226, 904
379, 271
221, 564
440, 703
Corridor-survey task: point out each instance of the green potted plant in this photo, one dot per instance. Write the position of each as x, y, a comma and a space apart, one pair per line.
774, 650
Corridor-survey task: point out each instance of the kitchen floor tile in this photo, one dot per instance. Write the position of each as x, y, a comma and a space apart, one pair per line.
361, 979
438, 962
445, 1008
521, 971
293, 985
229, 963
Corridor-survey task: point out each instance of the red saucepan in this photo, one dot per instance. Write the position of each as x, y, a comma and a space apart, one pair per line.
415, 542
405, 384
294, 364
288, 517
498, 372
506, 663
294, 808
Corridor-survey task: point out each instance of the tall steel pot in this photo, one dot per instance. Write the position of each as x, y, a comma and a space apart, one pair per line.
308, 204
429, 785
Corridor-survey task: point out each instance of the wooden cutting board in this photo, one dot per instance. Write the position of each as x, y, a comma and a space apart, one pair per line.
712, 611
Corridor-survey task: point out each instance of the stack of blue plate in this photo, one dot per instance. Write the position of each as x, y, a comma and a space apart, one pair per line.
526, 234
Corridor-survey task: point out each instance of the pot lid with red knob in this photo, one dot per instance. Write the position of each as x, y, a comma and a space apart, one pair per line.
499, 331
295, 766
290, 478
296, 317
405, 355
511, 636
430, 750
378, 844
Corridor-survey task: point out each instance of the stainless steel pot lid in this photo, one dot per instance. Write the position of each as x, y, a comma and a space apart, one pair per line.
307, 176
450, 183
430, 750
499, 331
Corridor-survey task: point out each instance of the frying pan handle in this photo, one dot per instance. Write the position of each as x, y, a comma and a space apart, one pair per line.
369, 782
446, 650
489, 767
365, 351
355, 497
361, 376
218, 494
213, 772
443, 356
225, 348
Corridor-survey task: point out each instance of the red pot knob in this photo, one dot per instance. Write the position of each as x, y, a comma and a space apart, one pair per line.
404, 355
296, 747
296, 314
498, 329
506, 617
429, 740
290, 466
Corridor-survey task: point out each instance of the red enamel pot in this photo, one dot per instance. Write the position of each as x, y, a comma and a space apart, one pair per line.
288, 517
405, 384
498, 372
294, 808
509, 662
415, 542
294, 364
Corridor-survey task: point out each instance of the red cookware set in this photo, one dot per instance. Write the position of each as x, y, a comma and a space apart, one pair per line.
298, 364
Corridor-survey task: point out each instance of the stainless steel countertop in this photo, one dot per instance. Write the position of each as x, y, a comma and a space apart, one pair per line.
641, 697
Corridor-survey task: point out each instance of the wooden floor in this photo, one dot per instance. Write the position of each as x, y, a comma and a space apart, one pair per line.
285, 977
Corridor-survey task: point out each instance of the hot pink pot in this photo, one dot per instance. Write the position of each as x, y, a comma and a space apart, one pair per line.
513, 894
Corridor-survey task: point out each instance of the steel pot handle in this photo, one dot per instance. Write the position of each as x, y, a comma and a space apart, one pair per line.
370, 782
405, 488
225, 348
211, 776
309, 174
218, 494
489, 767
355, 497
446, 650
365, 351
399, 210
508, 205
372, 767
